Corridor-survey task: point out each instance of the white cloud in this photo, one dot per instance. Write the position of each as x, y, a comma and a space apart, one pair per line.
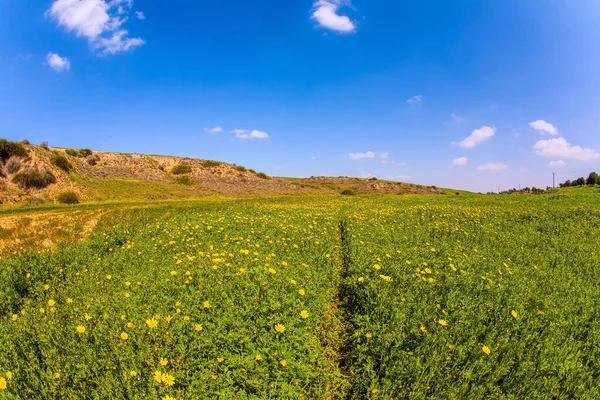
58, 63
245, 134
559, 163
325, 12
99, 21
461, 161
216, 129
457, 118
384, 156
544, 127
360, 156
560, 148
400, 164
478, 136
415, 99
492, 166
140, 15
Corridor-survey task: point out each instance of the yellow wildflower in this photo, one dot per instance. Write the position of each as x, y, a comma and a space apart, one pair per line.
206, 304
198, 327
377, 267
69, 300
168, 379
51, 303
272, 271
283, 363
80, 329
124, 336
132, 374
258, 357
158, 376
361, 279
8, 375
442, 322
15, 317
220, 360
163, 361
2, 383
304, 314
280, 328
302, 292
151, 323
514, 314
486, 350
368, 335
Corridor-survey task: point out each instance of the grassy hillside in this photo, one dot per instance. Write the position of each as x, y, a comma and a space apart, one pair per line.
31, 174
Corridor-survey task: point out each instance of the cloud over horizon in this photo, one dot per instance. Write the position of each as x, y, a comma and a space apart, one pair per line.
478, 136
560, 148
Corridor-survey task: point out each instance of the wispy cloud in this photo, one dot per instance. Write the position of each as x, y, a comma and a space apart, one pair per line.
140, 15
216, 129
457, 118
246, 134
559, 163
360, 156
99, 21
560, 148
460, 161
478, 136
544, 127
415, 99
57, 62
326, 13
492, 166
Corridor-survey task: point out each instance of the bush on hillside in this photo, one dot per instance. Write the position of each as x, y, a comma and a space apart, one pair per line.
67, 198
252, 171
85, 153
93, 160
72, 152
181, 169
348, 192
262, 175
241, 168
33, 178
44, 145
9, 149
210, 163
61, 162
184, 180
13, 165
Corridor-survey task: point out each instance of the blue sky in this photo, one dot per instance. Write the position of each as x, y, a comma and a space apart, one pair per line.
465, 93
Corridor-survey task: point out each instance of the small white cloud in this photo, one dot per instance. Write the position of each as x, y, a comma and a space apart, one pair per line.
400, 164
415, 99
99, 21
326, 13
140, 15
384, 156
360, 156
559, 163
544, 127
560, 148
492, 166
246, 134
478, 136
216, 129
456, 118
461, 161
58, 63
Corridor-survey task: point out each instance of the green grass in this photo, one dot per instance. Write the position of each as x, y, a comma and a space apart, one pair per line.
401, 294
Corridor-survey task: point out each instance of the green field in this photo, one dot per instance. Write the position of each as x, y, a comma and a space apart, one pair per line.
330, 297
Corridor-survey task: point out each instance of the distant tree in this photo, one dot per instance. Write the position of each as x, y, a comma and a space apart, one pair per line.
580, 181
67, 198
592, 179
44, 144
598, 180
568, 183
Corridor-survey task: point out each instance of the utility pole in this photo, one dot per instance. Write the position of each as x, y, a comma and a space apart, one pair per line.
554, 180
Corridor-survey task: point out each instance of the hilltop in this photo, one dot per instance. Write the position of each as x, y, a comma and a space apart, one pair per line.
31, 174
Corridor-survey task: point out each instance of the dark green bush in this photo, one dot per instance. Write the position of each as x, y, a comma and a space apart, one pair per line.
72, 152
210, 163
348, 192
85, 153
33, 178
184, 180
251, 170
9, 149
13, 165
181, 169
67, 198
262, 175
241, 168
61, 162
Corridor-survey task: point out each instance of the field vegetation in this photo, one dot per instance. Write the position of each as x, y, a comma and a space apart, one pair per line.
324, 297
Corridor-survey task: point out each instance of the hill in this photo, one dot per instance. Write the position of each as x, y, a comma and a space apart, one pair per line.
32, 174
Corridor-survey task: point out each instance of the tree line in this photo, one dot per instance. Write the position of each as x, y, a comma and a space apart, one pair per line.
592, 179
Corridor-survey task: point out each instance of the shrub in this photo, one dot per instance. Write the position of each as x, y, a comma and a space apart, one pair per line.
373, 179
252, 171
85, 153
33, 178
181, 169
9, 149
44, 144
61, 162
262, 175
13, 165
184, 180
210, 163
241, 168
25, 141
72, 152
67, 198
348, 192
93, 160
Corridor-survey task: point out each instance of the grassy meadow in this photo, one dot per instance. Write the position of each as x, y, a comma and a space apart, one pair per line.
322, 297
